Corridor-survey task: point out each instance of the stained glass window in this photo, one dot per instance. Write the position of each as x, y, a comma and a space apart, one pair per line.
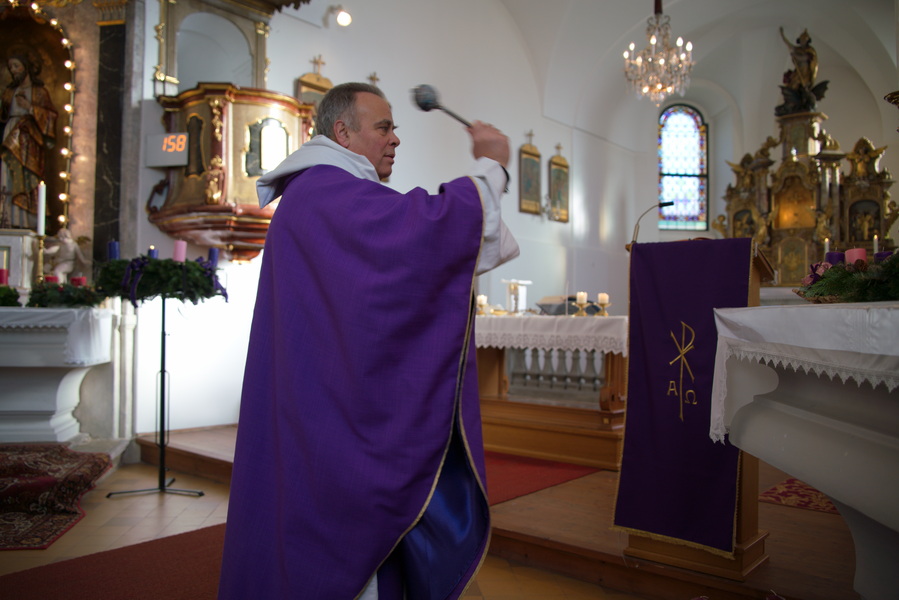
683, 169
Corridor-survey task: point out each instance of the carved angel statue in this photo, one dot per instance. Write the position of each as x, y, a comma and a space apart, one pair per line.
63, 253
864, 158
743, 172
800, 92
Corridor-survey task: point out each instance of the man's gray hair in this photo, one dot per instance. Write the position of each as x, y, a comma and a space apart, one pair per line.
339, 104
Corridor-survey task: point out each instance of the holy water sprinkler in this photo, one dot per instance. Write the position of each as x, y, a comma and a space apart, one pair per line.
426, 99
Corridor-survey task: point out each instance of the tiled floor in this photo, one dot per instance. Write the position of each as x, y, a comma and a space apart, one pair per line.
133, 518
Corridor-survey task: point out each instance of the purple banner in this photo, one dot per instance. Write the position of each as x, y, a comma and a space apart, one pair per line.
676, 483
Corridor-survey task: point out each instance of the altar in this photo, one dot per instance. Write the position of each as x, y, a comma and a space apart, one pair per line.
45, 354
582, 435
814, 390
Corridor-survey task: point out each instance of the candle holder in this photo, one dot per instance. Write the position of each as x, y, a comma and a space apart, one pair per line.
580, 309
482, 309
40, 259
602, 309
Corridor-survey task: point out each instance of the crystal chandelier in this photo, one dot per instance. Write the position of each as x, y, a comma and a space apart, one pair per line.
659, 69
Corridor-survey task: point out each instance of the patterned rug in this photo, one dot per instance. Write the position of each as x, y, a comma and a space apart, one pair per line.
793, 492
40, 492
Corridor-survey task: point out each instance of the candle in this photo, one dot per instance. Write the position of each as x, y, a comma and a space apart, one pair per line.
51, 279
882, 256
834, 258
112, 250
4, 277
180, 251
41, 208
214, 257
582, 297
78, 281
153, 252
482, 300
856, 254
826, 245
876, 245
602, 298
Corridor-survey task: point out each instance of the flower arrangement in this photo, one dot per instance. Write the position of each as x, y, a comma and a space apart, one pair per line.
854, 282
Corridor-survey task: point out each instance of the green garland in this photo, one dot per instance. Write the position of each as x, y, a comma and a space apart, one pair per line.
857, 282
145, 278
9, 296
46, 295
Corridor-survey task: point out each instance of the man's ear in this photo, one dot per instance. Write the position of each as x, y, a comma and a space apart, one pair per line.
341, 133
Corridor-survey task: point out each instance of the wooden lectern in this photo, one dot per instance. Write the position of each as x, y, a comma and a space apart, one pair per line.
749, 549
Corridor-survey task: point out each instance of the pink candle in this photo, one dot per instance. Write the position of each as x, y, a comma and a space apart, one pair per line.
180, 251
4, 277
855, 254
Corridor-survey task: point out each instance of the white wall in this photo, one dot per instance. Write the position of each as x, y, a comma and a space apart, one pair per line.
526, 65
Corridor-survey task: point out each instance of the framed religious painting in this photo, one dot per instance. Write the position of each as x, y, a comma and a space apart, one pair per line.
558, 187
529, 179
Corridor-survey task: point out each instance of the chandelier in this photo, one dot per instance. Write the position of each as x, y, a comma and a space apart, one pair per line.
659, 69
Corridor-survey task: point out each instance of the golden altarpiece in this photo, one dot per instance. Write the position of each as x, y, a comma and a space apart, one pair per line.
815, 197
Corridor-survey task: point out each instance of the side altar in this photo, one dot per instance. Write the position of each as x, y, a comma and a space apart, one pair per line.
570, 349
45, 354
814, 391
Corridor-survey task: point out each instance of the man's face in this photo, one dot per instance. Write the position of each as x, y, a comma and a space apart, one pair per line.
376, 138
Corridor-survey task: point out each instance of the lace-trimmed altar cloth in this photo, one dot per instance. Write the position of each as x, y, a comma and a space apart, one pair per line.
88, 330
602, 334
851, 341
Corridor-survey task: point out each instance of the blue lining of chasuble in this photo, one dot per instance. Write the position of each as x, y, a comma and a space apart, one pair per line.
441, 548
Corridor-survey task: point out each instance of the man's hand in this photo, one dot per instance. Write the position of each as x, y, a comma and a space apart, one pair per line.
489, 141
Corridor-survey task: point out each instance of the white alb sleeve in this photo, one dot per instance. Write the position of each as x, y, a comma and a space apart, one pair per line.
499, 245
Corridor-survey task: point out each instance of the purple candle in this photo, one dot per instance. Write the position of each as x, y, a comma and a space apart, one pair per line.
214, 257
834, 257
112, 250
882, 256
153, 252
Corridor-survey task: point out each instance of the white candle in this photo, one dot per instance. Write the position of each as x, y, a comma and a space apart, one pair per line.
41, 208
826, 245
482, 300
602, 298
582, 297
876, 245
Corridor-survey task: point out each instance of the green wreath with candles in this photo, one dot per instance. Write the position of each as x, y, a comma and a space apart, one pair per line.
858, 282
47, 294
144, 278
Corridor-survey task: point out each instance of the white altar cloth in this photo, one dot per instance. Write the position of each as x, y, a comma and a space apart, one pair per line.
852, 341
88, 334
600, 334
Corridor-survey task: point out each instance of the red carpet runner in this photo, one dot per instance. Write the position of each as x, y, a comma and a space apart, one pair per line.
511, 476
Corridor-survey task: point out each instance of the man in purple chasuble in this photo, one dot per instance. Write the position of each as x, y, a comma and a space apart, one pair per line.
359, 467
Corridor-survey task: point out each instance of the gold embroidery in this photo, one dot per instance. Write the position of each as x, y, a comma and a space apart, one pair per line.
677, 387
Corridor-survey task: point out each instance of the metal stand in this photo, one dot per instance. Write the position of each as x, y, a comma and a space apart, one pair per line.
161, 431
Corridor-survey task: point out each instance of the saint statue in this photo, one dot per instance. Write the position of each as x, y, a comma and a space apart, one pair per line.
800, 92
29, 128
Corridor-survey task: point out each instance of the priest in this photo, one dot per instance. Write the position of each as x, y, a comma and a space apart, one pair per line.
359, 467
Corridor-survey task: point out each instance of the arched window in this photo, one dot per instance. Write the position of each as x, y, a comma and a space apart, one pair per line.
683, 169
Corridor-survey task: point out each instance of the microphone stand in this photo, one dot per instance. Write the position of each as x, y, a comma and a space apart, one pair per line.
637, 224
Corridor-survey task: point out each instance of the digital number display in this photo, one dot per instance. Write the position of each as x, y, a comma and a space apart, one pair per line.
167, 150
174, 142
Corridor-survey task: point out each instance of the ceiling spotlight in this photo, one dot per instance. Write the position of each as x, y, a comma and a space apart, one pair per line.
343, 17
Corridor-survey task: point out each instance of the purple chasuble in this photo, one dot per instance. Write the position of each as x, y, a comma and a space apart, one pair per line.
359, 441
